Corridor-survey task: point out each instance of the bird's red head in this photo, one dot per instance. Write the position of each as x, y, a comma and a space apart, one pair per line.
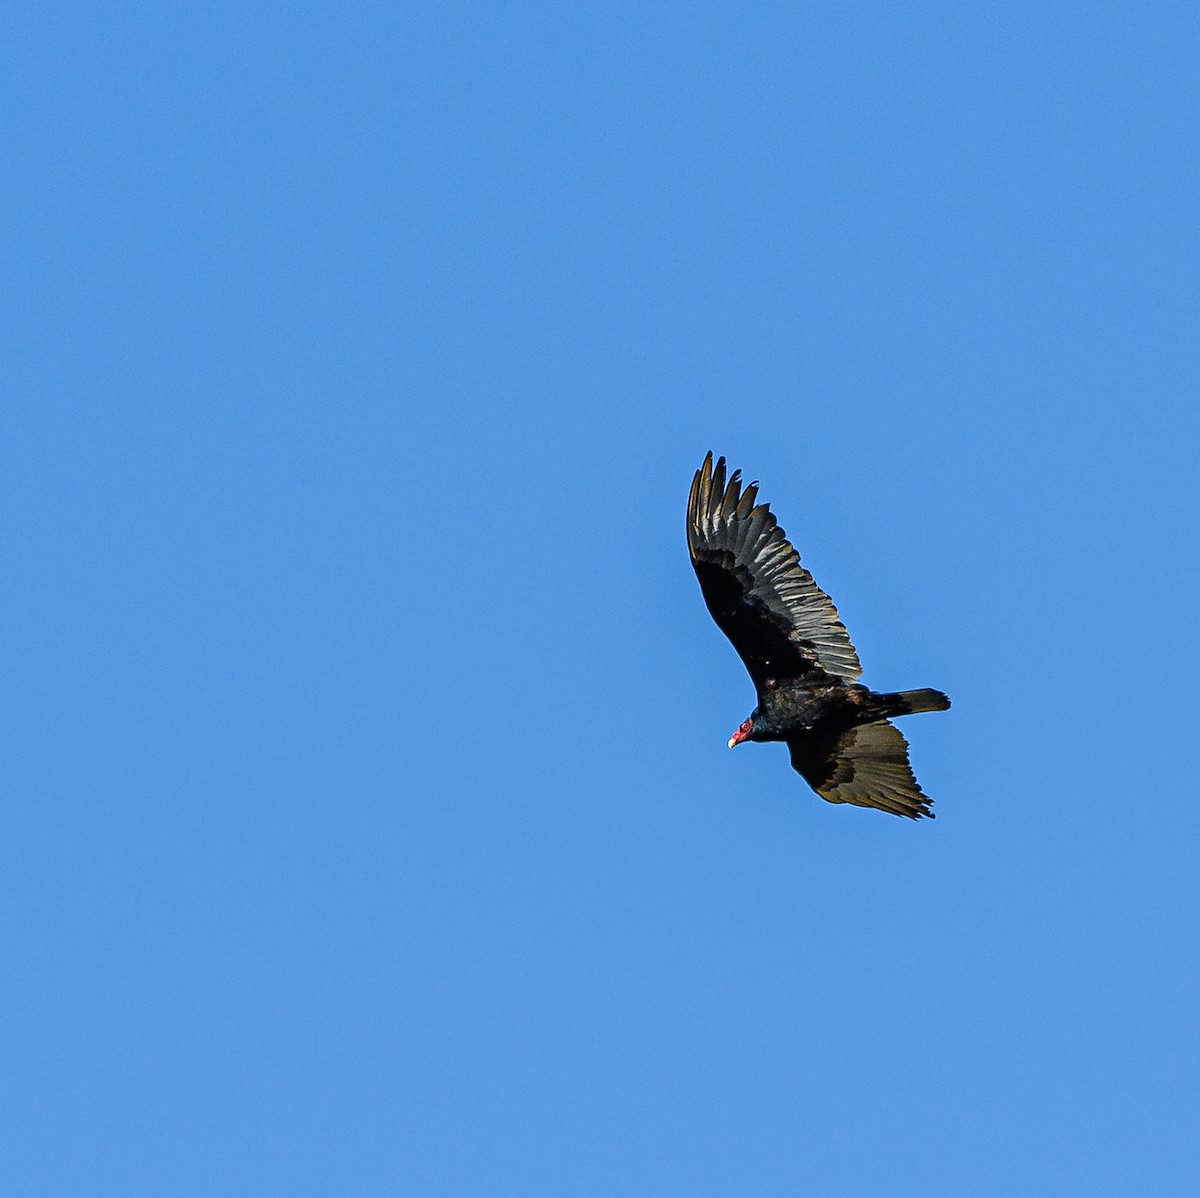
743, 733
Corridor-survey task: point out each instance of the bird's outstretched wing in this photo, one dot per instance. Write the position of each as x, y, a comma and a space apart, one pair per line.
867, 766
781, 623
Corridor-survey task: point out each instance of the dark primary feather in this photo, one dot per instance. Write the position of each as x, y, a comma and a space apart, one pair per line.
780, 622
866, 765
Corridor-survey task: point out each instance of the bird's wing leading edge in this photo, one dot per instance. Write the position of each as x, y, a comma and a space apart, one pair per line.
780, 622
867, 766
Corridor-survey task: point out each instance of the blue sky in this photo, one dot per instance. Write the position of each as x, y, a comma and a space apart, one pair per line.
369, 826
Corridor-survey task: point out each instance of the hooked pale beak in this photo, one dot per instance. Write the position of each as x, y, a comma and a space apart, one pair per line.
740, 735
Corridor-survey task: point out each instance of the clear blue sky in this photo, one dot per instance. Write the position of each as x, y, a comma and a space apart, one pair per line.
368, 822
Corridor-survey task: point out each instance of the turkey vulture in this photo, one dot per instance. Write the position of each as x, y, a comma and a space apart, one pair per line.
804, 668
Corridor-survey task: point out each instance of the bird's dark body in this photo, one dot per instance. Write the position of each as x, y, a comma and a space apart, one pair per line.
798, 654
786, 710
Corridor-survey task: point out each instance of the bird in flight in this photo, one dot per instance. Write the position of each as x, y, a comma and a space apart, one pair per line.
798, 653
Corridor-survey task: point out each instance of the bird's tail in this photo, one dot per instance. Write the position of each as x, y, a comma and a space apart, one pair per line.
910, 702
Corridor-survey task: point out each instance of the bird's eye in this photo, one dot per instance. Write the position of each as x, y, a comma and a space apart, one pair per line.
745, 726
